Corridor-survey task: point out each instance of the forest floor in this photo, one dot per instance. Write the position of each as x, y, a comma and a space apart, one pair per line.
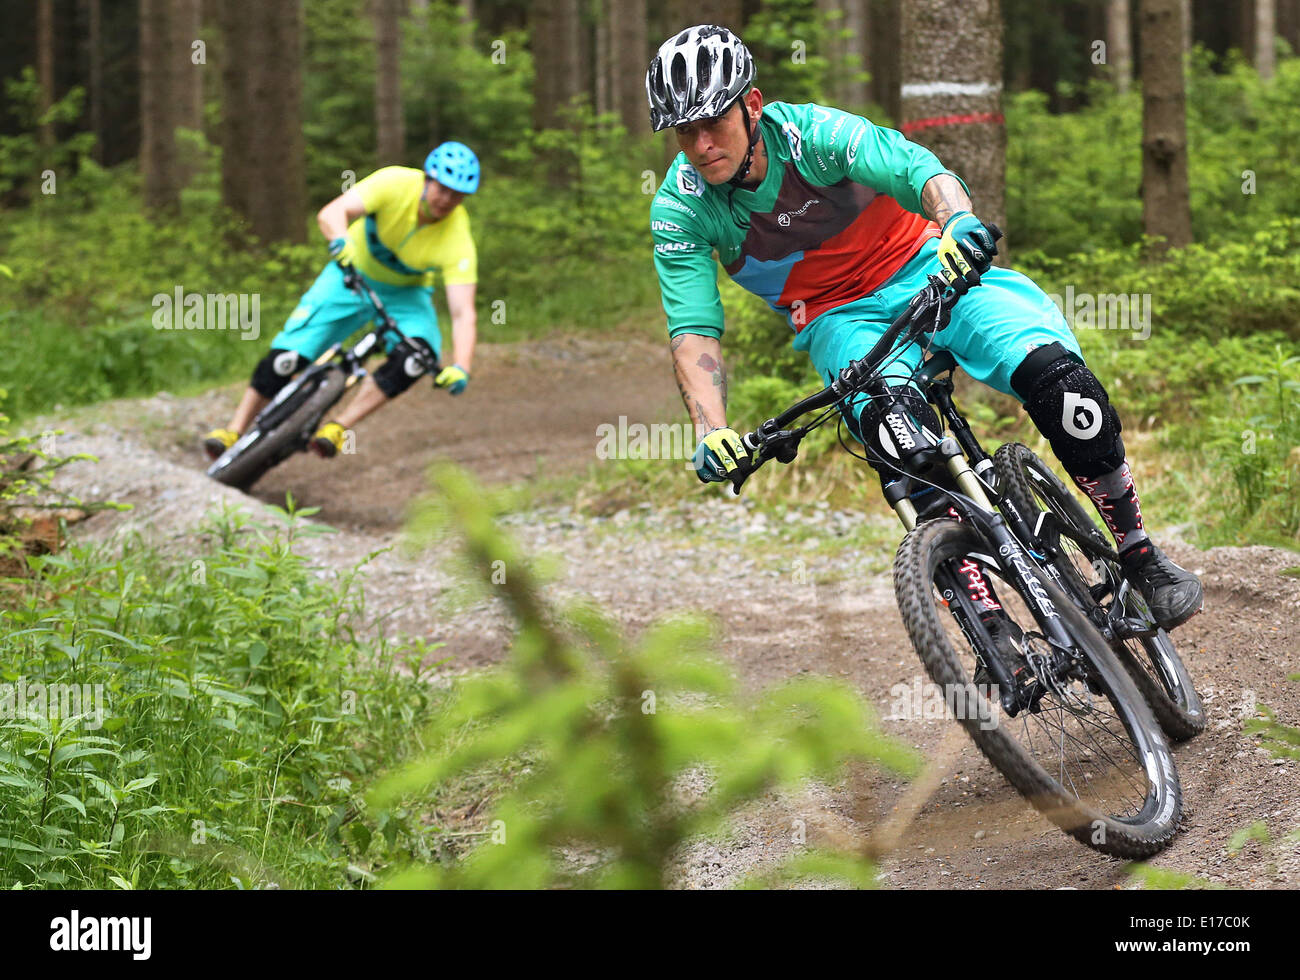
531, 416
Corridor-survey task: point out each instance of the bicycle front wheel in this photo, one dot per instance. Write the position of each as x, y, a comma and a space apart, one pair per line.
258, 451
1088, 753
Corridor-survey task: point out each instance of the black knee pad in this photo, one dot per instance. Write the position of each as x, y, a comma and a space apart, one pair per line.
402, 368
274, 371
866, 427
1071, 408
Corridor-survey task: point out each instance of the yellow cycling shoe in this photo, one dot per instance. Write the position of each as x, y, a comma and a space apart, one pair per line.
328, 441
218, 441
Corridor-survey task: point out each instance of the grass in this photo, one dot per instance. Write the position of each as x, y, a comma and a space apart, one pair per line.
233, 717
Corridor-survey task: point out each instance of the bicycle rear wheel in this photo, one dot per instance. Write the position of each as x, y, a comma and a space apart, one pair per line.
1151, 659
256, 452
1089, 754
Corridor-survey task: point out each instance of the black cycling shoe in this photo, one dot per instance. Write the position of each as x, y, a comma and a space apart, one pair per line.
1173, 594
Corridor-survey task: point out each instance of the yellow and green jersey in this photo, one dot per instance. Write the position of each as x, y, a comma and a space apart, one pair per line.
393, 247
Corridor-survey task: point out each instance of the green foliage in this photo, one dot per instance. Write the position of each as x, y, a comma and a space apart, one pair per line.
454, 88
787, 38
610, 729
451, 89
1256, 831
541, 250
1266, 462
1074, 179
1166, 879
338, 96
22, 158
80, 329
26, 470
758, 340
226, 718
1282, 741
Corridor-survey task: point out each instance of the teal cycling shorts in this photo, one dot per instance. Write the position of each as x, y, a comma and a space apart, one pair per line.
329, 313
991, 330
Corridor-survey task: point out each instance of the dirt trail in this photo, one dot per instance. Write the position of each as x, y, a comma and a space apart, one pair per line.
534, 410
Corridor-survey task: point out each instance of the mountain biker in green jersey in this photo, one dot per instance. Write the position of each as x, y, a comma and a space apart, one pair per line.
396, 228
837, 223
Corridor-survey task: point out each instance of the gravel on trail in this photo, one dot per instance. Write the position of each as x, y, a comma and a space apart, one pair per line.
785, 600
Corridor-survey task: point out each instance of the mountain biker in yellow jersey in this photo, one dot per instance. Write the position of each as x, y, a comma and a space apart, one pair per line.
837, 223
395, 227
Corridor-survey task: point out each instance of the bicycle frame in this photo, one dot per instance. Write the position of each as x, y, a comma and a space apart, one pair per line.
978, 501
352, 360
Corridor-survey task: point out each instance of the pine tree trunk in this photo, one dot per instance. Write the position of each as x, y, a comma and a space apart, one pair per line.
159, 167
45, 63
857, 20
556, 59
604, 99
886, 48
1265, 29
1166, 206
186, 81
95, 74
390, 136
845, 89
724, 13
186, 28
629, 58
1288, 23
262, 143
952, 94
1188, 21
1119, 43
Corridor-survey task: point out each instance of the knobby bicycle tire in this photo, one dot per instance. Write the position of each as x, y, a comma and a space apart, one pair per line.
288, 436
923, 551
1153, 662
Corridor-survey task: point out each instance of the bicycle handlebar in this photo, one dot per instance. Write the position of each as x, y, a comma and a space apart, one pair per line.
772, 440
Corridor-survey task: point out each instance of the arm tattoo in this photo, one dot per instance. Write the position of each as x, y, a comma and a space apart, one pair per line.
718, 375
942, 197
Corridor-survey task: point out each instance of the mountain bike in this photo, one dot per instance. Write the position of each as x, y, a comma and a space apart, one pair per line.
1013, 600
286, 425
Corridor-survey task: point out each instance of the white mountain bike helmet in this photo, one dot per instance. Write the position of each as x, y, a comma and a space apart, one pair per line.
698, 74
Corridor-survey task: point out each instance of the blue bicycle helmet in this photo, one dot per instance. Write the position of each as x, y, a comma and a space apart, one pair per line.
454, 166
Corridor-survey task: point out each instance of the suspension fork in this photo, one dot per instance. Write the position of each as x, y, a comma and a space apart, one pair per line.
961, 599
1020, 568
939, 391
